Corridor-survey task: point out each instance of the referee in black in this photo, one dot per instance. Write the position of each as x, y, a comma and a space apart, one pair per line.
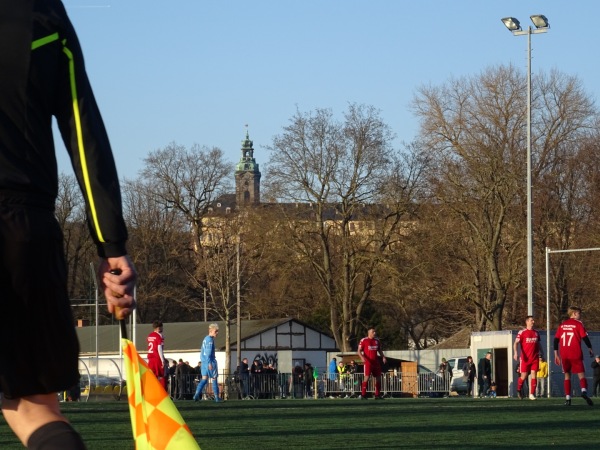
42, 75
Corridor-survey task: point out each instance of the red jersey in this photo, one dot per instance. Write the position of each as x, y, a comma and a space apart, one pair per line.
370, 348
569, 335
530, 345
154, 341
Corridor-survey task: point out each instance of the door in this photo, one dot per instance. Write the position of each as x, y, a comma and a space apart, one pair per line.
500, 370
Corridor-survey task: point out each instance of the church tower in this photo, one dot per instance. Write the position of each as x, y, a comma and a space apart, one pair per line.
247, 177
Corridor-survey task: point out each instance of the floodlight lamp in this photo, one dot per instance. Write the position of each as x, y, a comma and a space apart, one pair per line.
540, 21
511, 23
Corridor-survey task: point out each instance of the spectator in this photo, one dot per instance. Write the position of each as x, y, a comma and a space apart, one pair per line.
446, 372
172, 380
351, 367
333, 374
43, 75
297, 381
343, 376
270, 380
542, 378
245, 378
256, 378
333, 369
282, 380
351, 370
197, 370
470, 372
172, 368
485, 374
596, 379
182, 373
492, 392
308, 380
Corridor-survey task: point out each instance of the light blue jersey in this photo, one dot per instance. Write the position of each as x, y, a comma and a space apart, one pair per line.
207, 357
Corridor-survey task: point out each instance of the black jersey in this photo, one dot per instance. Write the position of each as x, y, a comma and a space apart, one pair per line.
42, 74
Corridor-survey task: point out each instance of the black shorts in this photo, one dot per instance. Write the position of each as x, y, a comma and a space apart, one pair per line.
39, 349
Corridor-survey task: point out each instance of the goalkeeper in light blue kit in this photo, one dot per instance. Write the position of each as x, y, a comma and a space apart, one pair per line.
208, 369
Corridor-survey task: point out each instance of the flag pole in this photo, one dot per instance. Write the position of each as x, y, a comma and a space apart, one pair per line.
121, 320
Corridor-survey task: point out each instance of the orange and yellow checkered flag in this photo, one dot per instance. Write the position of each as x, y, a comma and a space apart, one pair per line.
156, 423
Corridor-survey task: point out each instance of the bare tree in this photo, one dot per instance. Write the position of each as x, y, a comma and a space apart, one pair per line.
79, 247
189, 182
568, 219
424, 295
282, 283
475, 128
337, 171
159, 241
221, 267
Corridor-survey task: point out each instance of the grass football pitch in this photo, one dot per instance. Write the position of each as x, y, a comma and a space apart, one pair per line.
421, 423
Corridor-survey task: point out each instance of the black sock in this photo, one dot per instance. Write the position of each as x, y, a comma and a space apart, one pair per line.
55, 436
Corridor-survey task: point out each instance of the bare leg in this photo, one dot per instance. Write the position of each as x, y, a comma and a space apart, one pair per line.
26, 414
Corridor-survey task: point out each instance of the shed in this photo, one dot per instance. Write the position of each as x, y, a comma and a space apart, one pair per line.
284, 342
504, 367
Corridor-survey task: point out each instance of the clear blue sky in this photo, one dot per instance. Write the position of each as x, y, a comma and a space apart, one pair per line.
197, 71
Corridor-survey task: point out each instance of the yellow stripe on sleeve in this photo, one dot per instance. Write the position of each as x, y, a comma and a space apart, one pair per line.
43, 41
81, 146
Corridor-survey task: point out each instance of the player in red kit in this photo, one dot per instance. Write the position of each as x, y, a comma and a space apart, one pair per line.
156, 359
369, 348
530, 356
567, 349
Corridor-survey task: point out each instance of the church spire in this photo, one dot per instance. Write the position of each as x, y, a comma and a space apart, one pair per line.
247, 176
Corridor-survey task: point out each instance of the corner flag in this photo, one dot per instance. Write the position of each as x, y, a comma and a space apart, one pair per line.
156, 422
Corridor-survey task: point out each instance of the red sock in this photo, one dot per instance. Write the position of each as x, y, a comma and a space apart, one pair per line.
533, 386
519, 384
567, 385
583, 383
377, 388
363, 388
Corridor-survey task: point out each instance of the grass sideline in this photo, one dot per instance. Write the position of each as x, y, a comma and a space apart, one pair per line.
351, 423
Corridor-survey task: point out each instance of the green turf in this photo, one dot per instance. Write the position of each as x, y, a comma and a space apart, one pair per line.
352, 423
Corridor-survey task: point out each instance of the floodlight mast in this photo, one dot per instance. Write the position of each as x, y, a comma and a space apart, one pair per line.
541, 26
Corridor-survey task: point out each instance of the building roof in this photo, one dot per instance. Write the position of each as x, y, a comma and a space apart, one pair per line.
462, 339
179, 337
223, 205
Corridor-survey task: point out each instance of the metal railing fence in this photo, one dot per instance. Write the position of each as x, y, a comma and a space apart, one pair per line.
103, 380
289, 385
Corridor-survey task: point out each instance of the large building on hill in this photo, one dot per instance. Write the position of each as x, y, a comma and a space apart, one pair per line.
247, 193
